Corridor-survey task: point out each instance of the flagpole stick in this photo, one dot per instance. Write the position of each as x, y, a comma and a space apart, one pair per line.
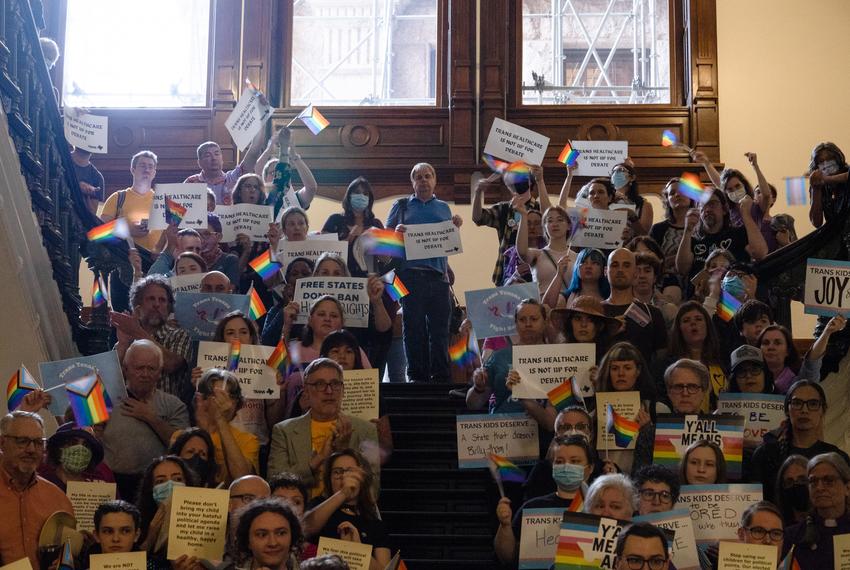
58, 386
290, 122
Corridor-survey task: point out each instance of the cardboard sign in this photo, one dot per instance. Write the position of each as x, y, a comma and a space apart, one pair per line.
360, 396
424, 241
491, 311
743, 556
86, 497
538, 539
762, 413
199, 313
198, 523
512, 142
22, 564
59, 372
588, 540
599, 157
602, 229
358, 556
827, 287
119, 561
513, 436
351, 292
684, 546
674, 433
716, 509
248, 117
841, 551
626, 404
256, 379
85, 131
193, 197
187, 283
543, 367
250, 219
310, 248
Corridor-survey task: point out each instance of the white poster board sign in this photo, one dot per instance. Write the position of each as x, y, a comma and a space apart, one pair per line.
248, 117
543, 367
360, 396
424, 241
684, 555
193, 197
256, 378
512, 142
626, 404
513, 436
351, 292
602, 229
85, 131
538, 538
252, 220
190, 283
827, 287
599, 157
310, 248
716, 509
762, 413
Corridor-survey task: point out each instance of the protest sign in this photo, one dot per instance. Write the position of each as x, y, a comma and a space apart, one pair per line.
602, 229
587, 540
248, 117
841, 551
626, 404
424, 241
22, 564
198, 523
357, 555
744, 556
684, 546
310, 248
199, 313
491, 311
86, 497
674, 433
119, 561
716, 509
827, 287
253, 220
538, 539
193, 197
360, 396
256, 378
513, 436
543, 367
512, 142
290, 199
597, 158
59, 372
351, 292
86, 131
761, 412
190, 283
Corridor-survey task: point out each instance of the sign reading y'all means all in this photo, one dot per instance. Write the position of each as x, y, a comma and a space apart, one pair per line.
827, 287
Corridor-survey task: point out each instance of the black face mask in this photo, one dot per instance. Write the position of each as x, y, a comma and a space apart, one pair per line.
200, 466
797, 496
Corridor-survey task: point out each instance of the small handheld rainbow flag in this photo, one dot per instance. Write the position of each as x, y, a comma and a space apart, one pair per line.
66, 561
506, 470
789, 562
265, 266
669, 138
577, 504
393, 286
233, 358
279, 358
256, 308
99, 295
495, 164
20, 384
114, 230
691, 187
174, 212
384, 242
624, 429
728, 306
89, 400
460, 352
313, 119
569, 155
565, 395
795, 191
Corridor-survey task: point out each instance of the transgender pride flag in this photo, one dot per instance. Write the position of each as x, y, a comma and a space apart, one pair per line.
795, 191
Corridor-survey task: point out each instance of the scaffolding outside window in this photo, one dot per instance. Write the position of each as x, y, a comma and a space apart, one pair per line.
595, 52
364, 52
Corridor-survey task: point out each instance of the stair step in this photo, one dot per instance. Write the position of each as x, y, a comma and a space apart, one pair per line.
434, 458
425, 440
422, 421
435, 522
397, 404
417, 390
402, 477
460, 547
450, 564
435, 500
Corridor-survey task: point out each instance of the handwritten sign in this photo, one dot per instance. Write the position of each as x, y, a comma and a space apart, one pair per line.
198, 523
253, 220
538, 539
543, 367
59, 372
626, 404
248, 117
602, 229
513, 436
85, 131
492, 310
599, 157
119, 561
360, 396
674, 433
358, 556
199, 313
684, 546
190, 283
761, 412
424, 241
841, 551
351, 292
256, 379
716, 509
743, 556
827, 287
590, 537
193, 197
311, 249
86, 497
512, 142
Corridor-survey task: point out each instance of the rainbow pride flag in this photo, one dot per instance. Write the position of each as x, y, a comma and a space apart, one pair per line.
691, 187
265, 266
114, 230
577, 504
577, 534
623, 428
506, 470
174, 212
313, 119
393, 286
98, 293
495, 164
384, 242
669, 138
279, 358
461, 352
569, 155
89, 400
256, 308
233, 358
727, 306
564, 395
20, 384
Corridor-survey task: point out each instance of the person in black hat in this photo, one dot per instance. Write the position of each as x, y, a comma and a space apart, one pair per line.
74, 454
749, 372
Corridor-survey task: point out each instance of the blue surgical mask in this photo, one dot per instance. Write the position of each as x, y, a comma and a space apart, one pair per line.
734, 285
162, 492
568, 477
619, 179
359, 202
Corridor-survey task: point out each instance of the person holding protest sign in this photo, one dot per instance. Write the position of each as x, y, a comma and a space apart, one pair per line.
552, 265
624, 181
277, 171
154, 499
703, 464
356, 218
780, 354
612, 496
74, 454
295, 224
177, 241
587, 279
667, 234
599, 192
298, 268
211, 162
268, 535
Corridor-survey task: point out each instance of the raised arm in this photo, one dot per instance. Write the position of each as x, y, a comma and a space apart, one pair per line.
522, 231
700, 158
543, 195
764, 201
684, 255
566, 187
817, 187
308, 192
480, 216
254, 151
756, 246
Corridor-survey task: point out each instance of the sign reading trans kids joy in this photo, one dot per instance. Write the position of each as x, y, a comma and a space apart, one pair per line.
513, 142
827, 287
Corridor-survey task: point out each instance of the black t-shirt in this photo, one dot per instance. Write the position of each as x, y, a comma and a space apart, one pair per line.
733, 239
336, 224
372, 531
90, 175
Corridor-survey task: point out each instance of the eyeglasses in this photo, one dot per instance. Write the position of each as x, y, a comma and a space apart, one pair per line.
245, 498
758, 533
581, 426
812, 405
638, 562
650, 495
321, 386
24, 442
339, 471
685, 388
827, 480
749, 372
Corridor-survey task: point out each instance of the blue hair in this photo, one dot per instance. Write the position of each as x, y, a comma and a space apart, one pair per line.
595, 256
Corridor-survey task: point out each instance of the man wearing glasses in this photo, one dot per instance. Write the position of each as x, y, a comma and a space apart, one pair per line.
301, 445
642, 546
762, 523
27, 499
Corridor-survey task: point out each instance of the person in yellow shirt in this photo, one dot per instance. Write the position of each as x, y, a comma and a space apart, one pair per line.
134, 203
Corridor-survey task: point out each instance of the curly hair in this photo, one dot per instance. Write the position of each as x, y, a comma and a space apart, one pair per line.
137, 291
365, 499
246, 516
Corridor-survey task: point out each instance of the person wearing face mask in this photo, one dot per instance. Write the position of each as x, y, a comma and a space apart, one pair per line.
158, 482
195, 446
828, 179
572, 462
624, 180
356, 218
74, 454
793, 499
